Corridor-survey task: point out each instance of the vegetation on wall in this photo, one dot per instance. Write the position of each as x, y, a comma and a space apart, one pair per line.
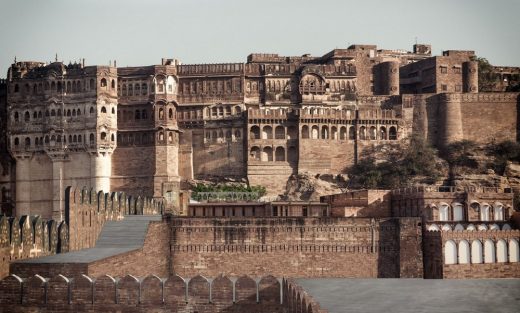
502, 152
417, 159
200, 187
487, 78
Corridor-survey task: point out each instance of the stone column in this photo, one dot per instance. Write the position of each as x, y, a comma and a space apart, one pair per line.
100, 171
23, 186
57, 190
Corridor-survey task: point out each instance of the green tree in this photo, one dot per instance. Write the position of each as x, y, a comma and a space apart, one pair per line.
487, 77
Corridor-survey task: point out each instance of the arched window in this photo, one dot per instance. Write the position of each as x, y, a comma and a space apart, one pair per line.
279, 132
59, 112
476, 252
324, 132
103, 82
170, 137
450, 252
16, 141
444, 212
498, 212
113, 84
362, 133
305, 132
91, 110
144, 89
464, 252
315, 132
227, 110
458, 227
92, 139
501, 251
170, 113
137, 114
238, 134
267, 132
17, 118
144, 115
267, 154
35, 115
373, 133
280, 154
514, 251
68, 113
73, 112
27, 116
489, 251
161, 113
458, 212
484, 212
130, 90
103, 109
59, 88
255, 153
79, 138
334, 133
27, 141
392, 133
103, 136
254, 132
382, 133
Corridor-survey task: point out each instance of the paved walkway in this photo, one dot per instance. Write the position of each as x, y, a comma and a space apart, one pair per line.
415, 295
115, 238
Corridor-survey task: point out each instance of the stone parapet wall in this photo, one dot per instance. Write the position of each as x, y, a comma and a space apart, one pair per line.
148, 294
297, 247
86, 211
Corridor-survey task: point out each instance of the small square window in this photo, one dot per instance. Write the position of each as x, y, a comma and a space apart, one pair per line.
458, 88
444, 87
444, 69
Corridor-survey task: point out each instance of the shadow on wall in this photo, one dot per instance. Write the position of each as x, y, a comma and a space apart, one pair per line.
388, 246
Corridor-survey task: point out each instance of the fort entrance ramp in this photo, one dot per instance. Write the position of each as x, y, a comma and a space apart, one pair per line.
117, 238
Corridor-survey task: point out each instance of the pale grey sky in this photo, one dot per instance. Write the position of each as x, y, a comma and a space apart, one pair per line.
210, 31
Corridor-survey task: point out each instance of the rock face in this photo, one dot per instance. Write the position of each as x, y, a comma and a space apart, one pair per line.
513, 176
310, 187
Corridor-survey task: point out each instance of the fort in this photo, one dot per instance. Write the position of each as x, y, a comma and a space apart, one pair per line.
98, 164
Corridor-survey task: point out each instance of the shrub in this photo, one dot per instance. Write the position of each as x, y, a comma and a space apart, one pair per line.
417, 159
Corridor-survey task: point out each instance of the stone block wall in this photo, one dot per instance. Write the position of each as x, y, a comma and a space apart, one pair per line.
86, 211
435, 265
296, 247
150, 294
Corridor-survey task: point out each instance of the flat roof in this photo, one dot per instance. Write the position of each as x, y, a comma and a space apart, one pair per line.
339, 295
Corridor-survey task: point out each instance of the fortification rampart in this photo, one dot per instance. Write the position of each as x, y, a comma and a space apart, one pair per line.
153, 294
297, 247
86, 211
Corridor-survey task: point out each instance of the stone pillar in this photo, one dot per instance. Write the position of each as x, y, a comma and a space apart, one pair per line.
100, 171
470, 76
23, 186
57, 190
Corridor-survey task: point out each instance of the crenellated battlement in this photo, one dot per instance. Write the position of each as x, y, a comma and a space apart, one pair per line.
89, 294
86, 211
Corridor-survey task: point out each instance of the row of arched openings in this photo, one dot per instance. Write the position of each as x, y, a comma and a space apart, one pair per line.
315, 132
280, 132
456, 212
55, 112
39, 141
60, 86
462, 252
214, 135
268, 154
